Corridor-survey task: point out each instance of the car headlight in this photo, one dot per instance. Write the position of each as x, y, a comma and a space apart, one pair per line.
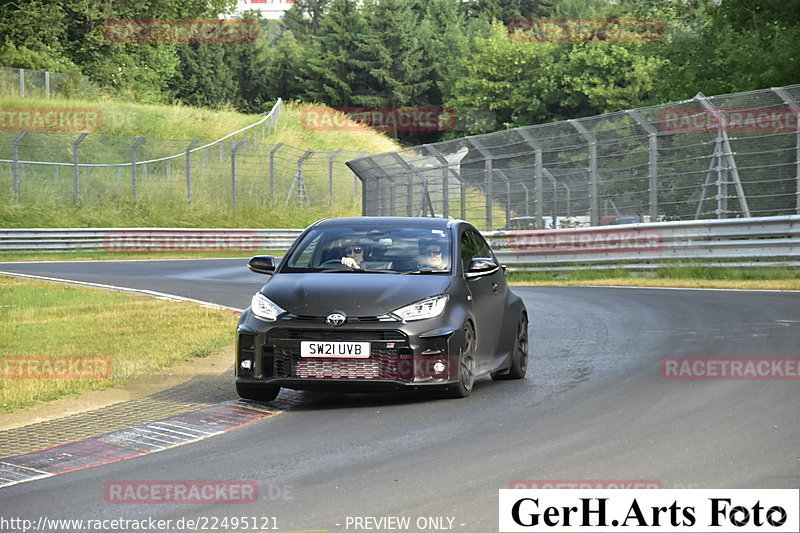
428, 308
264, 308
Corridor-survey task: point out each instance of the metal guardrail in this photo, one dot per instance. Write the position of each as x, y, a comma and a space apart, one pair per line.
57, 240
762, 241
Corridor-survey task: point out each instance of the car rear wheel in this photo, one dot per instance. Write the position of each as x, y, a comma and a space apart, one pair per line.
466, 366
519, 358
261, 393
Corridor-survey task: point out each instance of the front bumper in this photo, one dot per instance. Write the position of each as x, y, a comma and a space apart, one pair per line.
413, 355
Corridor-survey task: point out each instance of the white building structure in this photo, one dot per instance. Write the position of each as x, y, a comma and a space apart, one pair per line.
269, 9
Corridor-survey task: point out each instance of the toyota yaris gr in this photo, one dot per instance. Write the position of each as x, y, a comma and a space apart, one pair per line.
383, 303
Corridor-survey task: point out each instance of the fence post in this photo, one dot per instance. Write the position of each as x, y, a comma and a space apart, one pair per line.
538, 168
792, 103
135, 146
189, 170
527, 198
445, 178
233, 171
594, 204
487, 170
76, 187
652, 136
355, 178
508, 196
330, 176
272, 171
546, 173
15, 165
47, 83
22, 82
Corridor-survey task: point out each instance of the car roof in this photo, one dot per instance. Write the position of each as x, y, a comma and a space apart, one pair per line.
413, 222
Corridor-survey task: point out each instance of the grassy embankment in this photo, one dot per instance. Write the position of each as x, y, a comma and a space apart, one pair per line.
113, 338
161, 201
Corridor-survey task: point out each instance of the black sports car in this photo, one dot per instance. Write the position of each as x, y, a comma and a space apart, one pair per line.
363, 304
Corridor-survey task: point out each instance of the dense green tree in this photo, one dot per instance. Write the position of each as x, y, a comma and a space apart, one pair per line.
285, 68
204, 76
337, 70
304, 17
507, 10
743, 45
399, 70
515, 79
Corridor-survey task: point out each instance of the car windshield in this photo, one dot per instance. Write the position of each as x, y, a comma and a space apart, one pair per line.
368, 248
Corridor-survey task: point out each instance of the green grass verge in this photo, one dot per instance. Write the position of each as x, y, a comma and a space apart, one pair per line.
52, 324
130, 214
670, 276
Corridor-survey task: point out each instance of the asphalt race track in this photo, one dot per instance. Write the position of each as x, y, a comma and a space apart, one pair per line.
594, 407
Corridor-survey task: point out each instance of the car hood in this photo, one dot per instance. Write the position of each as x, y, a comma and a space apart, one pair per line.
354, 294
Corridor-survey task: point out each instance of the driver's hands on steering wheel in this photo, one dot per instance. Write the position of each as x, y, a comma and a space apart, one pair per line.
350, 262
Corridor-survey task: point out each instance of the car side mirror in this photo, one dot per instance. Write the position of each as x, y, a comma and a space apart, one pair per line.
481, 266
262, 264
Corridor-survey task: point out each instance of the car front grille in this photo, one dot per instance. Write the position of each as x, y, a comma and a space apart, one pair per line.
389, 349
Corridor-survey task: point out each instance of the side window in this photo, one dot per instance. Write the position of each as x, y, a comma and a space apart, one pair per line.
467, 248
482, 246
473, 245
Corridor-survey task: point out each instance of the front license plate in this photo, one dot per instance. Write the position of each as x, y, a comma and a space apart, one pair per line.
338, 349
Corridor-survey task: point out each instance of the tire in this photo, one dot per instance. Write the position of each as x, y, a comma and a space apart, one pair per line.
261, 393
519, 358
466, 366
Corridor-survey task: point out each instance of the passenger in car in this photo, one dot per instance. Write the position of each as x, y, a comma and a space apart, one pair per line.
433, 255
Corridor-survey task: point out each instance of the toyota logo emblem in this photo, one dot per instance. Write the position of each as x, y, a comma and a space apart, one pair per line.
336, 319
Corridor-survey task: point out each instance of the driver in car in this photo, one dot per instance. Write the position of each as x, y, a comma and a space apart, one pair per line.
353, 255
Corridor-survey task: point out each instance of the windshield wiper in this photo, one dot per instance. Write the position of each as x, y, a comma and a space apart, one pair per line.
427, 272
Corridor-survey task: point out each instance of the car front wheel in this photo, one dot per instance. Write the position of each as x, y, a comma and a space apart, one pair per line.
466, 366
